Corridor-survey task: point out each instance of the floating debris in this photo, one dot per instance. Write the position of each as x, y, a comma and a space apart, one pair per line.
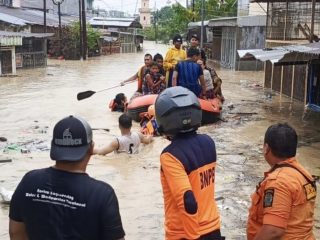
5, 160
27, 146
5, 195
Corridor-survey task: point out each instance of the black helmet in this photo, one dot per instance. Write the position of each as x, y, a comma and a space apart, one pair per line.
177, 111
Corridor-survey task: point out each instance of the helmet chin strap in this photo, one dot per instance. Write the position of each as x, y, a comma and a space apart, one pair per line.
187, 131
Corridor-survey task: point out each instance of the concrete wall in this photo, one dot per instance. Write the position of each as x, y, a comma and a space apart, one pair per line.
252, 37
257, 9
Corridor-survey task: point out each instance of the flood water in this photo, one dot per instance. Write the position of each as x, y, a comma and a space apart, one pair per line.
32, 102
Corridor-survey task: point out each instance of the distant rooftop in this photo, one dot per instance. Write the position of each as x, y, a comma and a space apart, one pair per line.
21, 17
114, 22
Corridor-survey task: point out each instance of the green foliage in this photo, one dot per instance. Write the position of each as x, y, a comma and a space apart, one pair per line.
92, 35
174, 19
149, 33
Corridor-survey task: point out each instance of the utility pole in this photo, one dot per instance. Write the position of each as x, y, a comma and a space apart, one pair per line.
156, 26
80, 31
202, 24
45, 29
45, 16
312, 21
193, 10
84, 30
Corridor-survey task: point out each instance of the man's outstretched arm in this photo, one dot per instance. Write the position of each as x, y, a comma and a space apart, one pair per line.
113, 146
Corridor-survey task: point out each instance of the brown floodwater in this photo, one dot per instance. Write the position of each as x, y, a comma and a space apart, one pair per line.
32, 102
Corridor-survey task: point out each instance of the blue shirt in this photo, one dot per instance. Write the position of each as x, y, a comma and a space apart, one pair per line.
188, 75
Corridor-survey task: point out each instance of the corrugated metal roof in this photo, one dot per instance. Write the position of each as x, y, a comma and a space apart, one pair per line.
223, 22
25, 34
112, 22
197, 24
273, 55
113, 19
12, 19
29, 16
290, 53
243, 21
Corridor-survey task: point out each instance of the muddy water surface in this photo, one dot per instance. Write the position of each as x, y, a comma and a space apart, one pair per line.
33, 101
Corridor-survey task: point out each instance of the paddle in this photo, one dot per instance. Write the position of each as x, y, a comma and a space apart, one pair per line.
89, 93
104, 129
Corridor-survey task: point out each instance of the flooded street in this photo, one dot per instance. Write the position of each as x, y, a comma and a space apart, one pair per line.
32, 102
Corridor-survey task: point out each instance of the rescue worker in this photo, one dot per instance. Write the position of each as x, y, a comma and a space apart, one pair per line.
283, 203
173, 56
187, 168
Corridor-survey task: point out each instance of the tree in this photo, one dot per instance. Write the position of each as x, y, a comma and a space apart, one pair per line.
72, 42
174, 19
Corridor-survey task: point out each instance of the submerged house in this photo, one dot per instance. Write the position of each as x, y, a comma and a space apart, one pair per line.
125, 32
292, 53
23, 41
21, 50
223, 36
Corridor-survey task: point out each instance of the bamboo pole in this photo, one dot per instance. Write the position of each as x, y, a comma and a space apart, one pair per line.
306, 85
292, 81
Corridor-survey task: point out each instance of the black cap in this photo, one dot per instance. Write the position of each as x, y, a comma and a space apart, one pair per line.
72, 137
195, 36
177, 38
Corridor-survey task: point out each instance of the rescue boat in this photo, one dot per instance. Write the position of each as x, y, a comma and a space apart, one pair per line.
211, 108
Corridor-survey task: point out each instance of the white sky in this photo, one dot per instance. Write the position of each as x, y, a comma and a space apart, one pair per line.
131, 5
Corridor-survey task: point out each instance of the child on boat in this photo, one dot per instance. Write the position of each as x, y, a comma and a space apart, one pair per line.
128, 142
158, 58
148, 122
154, 82
208, 80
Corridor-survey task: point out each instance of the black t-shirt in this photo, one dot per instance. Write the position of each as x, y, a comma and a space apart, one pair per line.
55, 204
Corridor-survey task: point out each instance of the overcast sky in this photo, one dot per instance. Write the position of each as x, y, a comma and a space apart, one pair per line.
131, 6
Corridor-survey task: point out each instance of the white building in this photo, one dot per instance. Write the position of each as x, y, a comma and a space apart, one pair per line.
145, 14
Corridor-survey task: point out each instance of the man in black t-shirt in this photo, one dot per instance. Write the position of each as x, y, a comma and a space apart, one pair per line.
62, 201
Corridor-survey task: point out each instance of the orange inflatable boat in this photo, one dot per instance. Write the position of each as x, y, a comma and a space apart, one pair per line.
211, 108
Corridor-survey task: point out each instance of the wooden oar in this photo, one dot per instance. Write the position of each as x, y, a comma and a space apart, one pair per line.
89, 93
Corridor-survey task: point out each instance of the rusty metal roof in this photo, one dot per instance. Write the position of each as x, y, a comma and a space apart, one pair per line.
290, 53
